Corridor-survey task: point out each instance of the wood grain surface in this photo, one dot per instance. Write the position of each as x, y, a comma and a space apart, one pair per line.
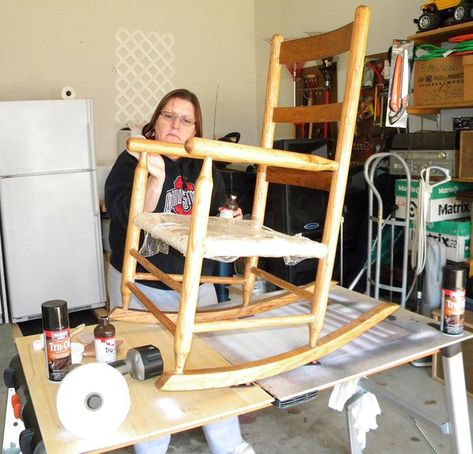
153, 413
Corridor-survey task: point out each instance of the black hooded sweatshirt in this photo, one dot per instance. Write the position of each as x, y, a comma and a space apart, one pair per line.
177, 196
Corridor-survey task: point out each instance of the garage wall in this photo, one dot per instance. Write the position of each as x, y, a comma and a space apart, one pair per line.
48, 44
292, 18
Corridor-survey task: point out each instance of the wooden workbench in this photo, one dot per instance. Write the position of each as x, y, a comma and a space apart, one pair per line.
404, 337
153, 413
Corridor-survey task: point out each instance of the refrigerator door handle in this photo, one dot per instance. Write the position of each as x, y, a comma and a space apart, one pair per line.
95, 193
100, 258
90, 134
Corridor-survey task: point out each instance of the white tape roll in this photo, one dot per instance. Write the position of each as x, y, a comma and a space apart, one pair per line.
68, 93
92, 400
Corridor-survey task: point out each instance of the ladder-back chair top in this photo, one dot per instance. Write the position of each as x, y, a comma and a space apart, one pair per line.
349, 38
318, 47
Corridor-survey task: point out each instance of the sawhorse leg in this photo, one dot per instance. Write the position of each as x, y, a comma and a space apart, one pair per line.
458, 426
457, 405
355, 445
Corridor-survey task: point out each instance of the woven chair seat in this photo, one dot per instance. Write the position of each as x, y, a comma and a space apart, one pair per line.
236, 238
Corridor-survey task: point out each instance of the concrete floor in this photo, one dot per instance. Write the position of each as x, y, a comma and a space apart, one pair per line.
312, 427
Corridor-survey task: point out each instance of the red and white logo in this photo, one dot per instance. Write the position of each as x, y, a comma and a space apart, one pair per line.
180, 198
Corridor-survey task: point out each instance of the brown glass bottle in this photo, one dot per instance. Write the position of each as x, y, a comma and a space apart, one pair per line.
229, 207
105, 341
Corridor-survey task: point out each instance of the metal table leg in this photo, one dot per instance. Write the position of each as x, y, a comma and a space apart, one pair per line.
355, 446
457, 428
460, 436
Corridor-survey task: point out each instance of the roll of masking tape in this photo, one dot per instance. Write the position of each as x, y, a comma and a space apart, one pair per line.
93, 400
68, 93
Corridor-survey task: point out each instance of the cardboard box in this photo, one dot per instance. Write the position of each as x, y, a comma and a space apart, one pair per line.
456, 237
468, 78
438, 81
465, 155
443, 205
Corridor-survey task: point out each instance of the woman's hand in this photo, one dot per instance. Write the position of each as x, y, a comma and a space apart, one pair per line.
135, 134
156, 167
238, 214
154, 186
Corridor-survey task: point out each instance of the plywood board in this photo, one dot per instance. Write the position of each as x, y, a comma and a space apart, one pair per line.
153, 413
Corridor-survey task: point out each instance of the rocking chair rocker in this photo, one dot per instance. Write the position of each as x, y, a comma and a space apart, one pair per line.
199, 236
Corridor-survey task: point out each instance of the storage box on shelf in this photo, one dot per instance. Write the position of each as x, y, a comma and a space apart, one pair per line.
439, 81
452, 74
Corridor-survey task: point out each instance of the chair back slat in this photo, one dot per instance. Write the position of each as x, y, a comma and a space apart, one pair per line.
303, 178
308, 114
316, 47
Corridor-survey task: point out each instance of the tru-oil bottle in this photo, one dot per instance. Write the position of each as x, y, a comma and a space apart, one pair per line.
105, 341
229, 207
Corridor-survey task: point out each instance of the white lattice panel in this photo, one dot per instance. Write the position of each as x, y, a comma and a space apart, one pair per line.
144, 73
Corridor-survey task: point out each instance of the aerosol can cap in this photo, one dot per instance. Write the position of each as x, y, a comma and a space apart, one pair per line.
55, 315
455, 277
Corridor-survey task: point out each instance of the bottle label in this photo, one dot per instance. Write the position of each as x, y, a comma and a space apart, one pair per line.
453, 311
57, 347
105, 349
226, 213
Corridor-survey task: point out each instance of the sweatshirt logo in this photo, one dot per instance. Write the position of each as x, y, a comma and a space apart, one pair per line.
180, 198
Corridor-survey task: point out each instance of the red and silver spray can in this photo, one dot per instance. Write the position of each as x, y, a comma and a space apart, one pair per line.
453, 301
57, 340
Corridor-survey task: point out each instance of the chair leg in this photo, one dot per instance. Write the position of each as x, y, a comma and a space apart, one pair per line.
250, 279
133, 232
319, 300
125, 291
129, 263
257, 215
193, 267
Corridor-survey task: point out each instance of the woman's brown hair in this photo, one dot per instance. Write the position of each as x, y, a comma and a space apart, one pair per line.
181, 93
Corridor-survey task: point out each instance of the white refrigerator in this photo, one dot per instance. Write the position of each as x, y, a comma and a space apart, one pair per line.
51, 245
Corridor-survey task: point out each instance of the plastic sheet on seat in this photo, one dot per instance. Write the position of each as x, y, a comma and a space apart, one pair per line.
227, 239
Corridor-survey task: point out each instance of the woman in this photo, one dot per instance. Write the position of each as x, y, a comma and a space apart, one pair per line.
170, 188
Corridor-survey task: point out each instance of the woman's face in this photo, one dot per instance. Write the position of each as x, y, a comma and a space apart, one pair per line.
176, 121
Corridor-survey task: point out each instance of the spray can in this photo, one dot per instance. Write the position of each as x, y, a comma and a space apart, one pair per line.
453, 301
229, 207
105, 341
57, 340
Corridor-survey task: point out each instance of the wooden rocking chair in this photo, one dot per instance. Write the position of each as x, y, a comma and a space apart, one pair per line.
201, 233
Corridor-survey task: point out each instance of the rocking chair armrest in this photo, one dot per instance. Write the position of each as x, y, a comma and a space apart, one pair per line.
138, 145
232, 152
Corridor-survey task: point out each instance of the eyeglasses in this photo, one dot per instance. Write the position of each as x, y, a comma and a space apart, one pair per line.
184, 120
